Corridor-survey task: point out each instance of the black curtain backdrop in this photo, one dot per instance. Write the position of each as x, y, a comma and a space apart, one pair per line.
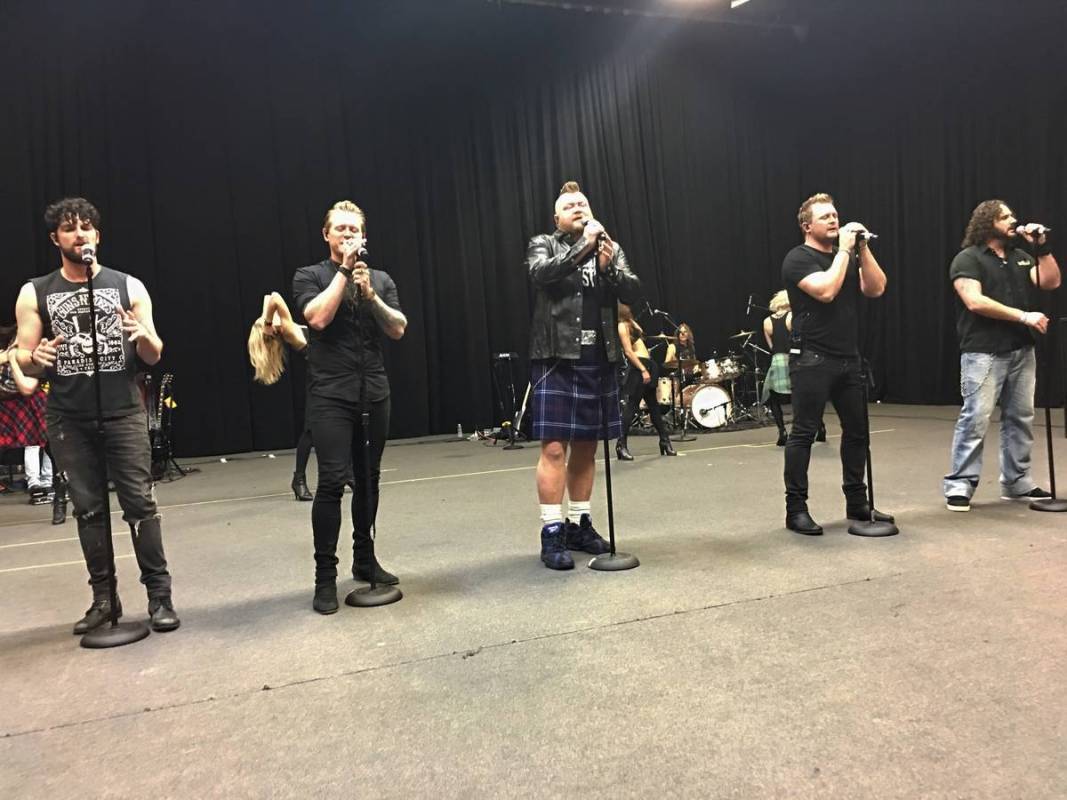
213, 137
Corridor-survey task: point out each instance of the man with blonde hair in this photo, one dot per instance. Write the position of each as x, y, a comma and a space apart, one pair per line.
347, 307
824, 279
578, 275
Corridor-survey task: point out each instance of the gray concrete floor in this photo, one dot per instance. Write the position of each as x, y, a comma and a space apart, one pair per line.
738, 661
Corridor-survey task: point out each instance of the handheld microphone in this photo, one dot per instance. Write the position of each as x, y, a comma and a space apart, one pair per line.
88, 254
1040, 230
866, 235
361, 255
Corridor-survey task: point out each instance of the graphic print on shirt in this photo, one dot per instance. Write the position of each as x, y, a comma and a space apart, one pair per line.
589, 274
69, 312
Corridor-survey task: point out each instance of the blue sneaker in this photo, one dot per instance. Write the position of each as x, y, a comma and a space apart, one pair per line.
553, 551
584, 537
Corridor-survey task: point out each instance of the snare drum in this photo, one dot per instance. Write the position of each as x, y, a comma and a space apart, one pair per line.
663, 391
709, 405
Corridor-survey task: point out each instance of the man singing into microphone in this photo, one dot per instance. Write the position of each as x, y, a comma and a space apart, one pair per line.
994, 280
578, 274
347, 307
55, 335
824, 278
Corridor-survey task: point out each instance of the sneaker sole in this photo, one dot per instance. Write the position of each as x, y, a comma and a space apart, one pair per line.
957, 508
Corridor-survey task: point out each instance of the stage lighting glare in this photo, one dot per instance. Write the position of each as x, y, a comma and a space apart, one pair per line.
736, 3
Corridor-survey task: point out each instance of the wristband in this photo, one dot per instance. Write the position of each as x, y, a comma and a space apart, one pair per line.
346, 270
1022, 319
1043, 249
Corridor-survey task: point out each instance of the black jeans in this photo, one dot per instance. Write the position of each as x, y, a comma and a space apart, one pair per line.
817, 378
337, 430
77, 448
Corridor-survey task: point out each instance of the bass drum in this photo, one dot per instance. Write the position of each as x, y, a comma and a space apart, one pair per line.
709, 405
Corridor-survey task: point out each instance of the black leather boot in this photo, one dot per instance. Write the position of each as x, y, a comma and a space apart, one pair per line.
621, 451
300, 487
665, 447
59, 501
365, 565
98, 614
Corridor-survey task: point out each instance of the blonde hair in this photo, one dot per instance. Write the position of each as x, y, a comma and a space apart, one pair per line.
804, 213
266, 353
779, 302
350, 207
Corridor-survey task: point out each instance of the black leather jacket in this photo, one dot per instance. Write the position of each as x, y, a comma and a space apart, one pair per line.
555, 329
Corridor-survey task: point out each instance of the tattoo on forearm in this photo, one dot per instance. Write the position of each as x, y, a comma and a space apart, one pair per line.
386, 315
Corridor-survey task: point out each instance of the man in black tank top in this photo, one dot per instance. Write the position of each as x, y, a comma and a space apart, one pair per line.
55, 336
824, 279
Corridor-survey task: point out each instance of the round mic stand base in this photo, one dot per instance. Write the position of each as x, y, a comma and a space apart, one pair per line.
873, 529
1049, 504
115, 635
372, 596
613, 562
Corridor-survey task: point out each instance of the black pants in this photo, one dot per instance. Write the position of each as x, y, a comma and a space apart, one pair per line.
337, 430
817, 378
77, 448
634, 390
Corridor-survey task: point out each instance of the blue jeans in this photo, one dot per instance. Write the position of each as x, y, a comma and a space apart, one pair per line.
986, 380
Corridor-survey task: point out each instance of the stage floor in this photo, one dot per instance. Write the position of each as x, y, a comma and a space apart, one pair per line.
739, 660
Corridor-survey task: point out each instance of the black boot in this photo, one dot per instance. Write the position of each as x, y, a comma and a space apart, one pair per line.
782, 437
665, 447
300, 487
98, 614
162, 616
821, 435
365, 565
59, 501
621, 451
325, 601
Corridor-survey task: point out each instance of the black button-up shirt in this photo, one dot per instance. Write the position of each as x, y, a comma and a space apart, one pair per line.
1005, 280
342, 352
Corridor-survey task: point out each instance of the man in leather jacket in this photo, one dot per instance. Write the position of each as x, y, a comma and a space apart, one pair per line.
579, 275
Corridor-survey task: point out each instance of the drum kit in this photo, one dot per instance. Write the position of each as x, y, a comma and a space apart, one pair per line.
716, 392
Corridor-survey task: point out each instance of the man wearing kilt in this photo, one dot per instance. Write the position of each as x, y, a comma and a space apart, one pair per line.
579, 275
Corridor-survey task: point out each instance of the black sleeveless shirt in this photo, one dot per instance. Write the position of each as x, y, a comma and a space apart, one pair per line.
64, 310
779, 335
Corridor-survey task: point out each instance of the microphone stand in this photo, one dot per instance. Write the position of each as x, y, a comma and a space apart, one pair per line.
1048, 503
373, 595
871, 527
117, 633
612, 561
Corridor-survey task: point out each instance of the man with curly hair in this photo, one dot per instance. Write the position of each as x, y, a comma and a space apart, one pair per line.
578, 274
56, 330
994, 279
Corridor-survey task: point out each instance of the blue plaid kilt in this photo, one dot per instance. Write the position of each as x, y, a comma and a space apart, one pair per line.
777, 377
574, 401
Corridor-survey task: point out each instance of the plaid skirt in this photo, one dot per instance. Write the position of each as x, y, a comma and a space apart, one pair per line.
777, 377
574, 401
22, 421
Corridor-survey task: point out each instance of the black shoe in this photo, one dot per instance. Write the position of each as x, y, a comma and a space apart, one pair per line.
98, 614
365, 564
161, 614
59, 506
801, 522
300, 487
821, 435
1034, 494
39, 495
622, 452
325, 601
666, 448
863, 514
584, 537
958, 502
782, 438
553, 550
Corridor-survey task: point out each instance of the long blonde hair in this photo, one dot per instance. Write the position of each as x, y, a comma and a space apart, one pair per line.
267, 354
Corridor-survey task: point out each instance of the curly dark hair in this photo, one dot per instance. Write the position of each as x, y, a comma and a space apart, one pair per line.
69, 209
980, 229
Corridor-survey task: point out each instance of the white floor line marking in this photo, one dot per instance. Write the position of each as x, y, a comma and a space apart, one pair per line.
80, 561
769, 444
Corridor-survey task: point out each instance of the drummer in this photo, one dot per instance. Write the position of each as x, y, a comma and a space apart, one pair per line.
686, 352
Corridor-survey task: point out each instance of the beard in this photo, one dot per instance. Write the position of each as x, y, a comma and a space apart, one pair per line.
73, 253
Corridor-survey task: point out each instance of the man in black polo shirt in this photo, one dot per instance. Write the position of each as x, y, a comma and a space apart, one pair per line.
347, 307
994, 281
824, 279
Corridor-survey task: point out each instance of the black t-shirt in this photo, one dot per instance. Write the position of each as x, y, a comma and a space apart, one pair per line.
828, 328
593, 297
1007, 281
334, 353
64, 310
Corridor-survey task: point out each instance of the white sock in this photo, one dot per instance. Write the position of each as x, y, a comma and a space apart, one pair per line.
576, 508
551, 514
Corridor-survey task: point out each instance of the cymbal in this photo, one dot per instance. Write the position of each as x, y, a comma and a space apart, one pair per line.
742, 334
663, 336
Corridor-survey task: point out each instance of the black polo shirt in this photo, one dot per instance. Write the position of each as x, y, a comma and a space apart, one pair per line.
828, 328
334, 354
1005, 280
